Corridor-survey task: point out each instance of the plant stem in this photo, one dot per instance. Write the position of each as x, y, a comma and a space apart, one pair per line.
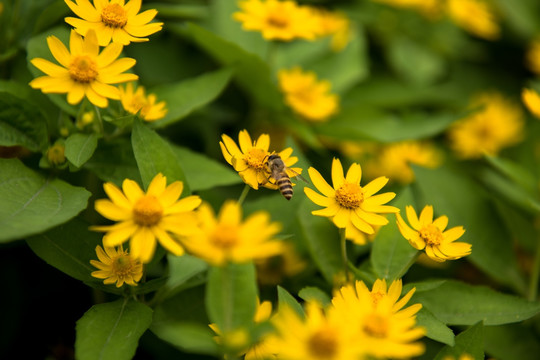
343, 243
100, 121
535, 273
243, 194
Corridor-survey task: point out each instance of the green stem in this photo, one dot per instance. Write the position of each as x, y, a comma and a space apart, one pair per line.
343, 243
243, 194
100, 121
535, 274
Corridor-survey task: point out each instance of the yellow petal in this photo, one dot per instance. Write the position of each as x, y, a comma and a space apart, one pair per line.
157, 185
90, 44
119, 233
49, 68
426, 216
318, 198
143, 18
112, 211
132, 190
413, 218
330, 211
263, 142
321, 184
84, 10
441, 222
371, 218
170, 244
117, 196
374, 186
342, 217
453, 234
76, 94
75, 43
245, 141
230, 214
59, 51
184, 205
354, 174
109, 54
171, 194
361, 224
143, 245
337, 174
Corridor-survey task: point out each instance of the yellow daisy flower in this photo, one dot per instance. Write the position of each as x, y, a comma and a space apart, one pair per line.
395, 160
306, 95
531, 99
55, 154
137, 102
277, 20
318, 336
117, 266
474, 16
251, 159
378, 320
143, 217
349, 205
113, 20
333, 24
226, 238
83, 71
430, 235
498, 123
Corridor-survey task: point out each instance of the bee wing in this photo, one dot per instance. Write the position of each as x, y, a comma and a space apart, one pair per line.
297, 175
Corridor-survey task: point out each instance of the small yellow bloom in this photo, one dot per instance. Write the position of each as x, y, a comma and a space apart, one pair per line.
83, 71
495, 124
333, 24
117, 266
349, 205
321, 335
137, 102
475, 16
250, 159
144, 217
86, 119
395, 160
306, 95
55, 154
277, 20
429, 234
113, 20
378, 319
226, 238
531, 99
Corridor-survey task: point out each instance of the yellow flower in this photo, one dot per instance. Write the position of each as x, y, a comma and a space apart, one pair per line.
532, 57
137, 102
395, 160
378, 320
250, 160
497, 123
143, 217
306, 95
333, 24
113, 19
318, 336
86, 119
117, 266
475, 16
430, 235
272, 270
229, 239
83, 71
277, 20
55, 154
531, 99
349, 205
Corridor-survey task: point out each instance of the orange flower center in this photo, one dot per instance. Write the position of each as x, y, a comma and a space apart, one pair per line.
255, 158
114, 15
350, 196
277, 20
83, 69
225, 237
122, 266
376, 326
323, 344
432, 235
147, 211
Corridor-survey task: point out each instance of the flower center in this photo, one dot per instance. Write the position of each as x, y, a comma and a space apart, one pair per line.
376, 326
431, 234
138, 103
56, 155
122, 266
255, 158
147, 211
350, 196
83, 69
323, 344
225, 237
277, 20
114, 15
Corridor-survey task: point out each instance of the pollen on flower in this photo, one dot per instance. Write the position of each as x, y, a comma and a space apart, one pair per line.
376, 326
350, 196
83, 69
376, 296
432, 235
114, 15
147, 211
323, 344
255, 158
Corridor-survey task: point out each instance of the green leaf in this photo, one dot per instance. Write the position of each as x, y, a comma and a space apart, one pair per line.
469, 342
322, 239
32, 203
189, 337
286, 299
203, 172
310, 293
184, 97
154, 155
21, 122
511, 342
231, 295
391, 254
251, 72
457, 303
435, 329
80, 148
111, 330
69, 248
454, 194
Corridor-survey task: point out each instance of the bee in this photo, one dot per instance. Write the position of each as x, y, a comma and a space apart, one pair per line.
278, 172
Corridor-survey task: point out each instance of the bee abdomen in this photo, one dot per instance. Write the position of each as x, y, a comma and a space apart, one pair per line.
285, 187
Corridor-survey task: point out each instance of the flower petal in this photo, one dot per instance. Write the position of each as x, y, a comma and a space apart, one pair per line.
374, 186
245, 141
321, 184
337, 174
59, 51
354, 174
143, 245
318, 198
426, 216
453, 234
441, 222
